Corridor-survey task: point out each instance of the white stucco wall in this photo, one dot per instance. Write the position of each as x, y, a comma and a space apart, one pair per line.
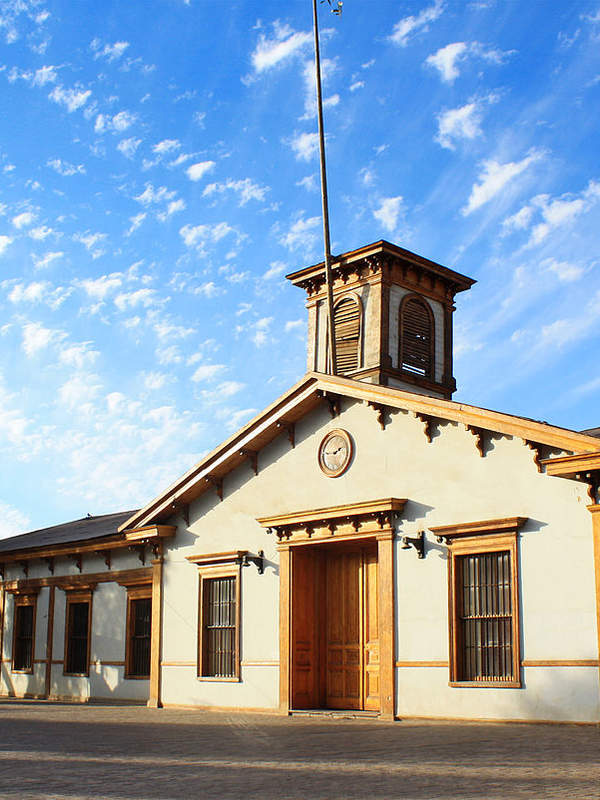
108, 632
446, 481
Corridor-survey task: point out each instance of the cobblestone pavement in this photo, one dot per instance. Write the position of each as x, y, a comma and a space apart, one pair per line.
134, 753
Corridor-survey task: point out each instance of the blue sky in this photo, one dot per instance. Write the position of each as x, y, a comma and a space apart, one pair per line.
158, 177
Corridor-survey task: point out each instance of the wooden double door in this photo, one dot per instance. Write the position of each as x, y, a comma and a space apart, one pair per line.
334, 620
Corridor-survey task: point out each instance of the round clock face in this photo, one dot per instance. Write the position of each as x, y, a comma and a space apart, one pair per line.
335, 452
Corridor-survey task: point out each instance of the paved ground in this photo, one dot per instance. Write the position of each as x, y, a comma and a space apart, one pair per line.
128, 753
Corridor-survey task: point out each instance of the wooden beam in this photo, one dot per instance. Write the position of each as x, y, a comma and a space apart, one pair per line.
155, 700
595, 512
285, 654
49, 642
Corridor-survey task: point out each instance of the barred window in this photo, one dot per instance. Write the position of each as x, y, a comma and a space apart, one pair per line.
139, 631
23, 641
77, 636
416, 337
346, 323
219, 627
485, 617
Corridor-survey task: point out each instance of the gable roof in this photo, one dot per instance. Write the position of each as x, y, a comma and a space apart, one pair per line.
68, 532
307, 394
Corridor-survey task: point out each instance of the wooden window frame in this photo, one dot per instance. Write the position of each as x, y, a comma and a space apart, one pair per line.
204, 574
134, 593
430, 373
24, 600
493, 543
72, 597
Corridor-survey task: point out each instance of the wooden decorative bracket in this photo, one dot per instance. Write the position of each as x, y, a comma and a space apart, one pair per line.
536, 447
105, 555
183, 509
593, 483
50, 562
290, 428
78, 560
140, 549
333, 401
1, 572
218, 484
380, 410
252, 456
427, 423
25, 567
479, 435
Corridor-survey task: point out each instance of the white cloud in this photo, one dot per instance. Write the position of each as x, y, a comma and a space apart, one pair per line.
41, 262
565, 271
308, 182
99, 288
78, 355
357, 85
223, 391
494, 178
79, 391
140, 297
72, 99
196, 171
305, 145
208, 289
111, 52
28, 293
245, 189
166, 146
136, 221
276, 268
285, 44
261, 331
172, 208
445, 60
294, 325
199, 235
90, 241
207, 372
562, 210
129, 146
36, 337
389, 212
151, 196
408, 26
44, 75
12, 521
64, 167
41, 233
519, 221
155, 380
4, 242
23, 220
463, 122
302, 234
118, 123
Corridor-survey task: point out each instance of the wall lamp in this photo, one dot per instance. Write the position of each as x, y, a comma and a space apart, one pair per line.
418, 542
258, 560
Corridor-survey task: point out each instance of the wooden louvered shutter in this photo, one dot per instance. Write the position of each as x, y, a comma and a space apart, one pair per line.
416, 338
347, 335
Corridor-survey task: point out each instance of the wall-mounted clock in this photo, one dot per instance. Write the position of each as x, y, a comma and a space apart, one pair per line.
335, 453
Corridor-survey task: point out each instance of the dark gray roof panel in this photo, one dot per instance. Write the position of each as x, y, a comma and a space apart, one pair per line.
76, 531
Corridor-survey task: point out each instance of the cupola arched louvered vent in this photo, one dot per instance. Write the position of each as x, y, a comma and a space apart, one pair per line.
416, 337
346, 316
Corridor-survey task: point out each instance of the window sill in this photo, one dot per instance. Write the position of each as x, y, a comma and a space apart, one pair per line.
485, 684
22, 671
76, 674
136, 677
212, 679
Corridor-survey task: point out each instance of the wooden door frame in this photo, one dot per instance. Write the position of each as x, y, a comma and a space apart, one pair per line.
384, 537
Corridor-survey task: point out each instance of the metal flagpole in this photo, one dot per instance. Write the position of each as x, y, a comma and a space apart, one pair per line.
328, 280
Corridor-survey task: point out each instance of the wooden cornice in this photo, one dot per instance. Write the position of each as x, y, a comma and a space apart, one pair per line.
346, 521
486, 527
65, 550
570, 466
218, 559
148, 532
